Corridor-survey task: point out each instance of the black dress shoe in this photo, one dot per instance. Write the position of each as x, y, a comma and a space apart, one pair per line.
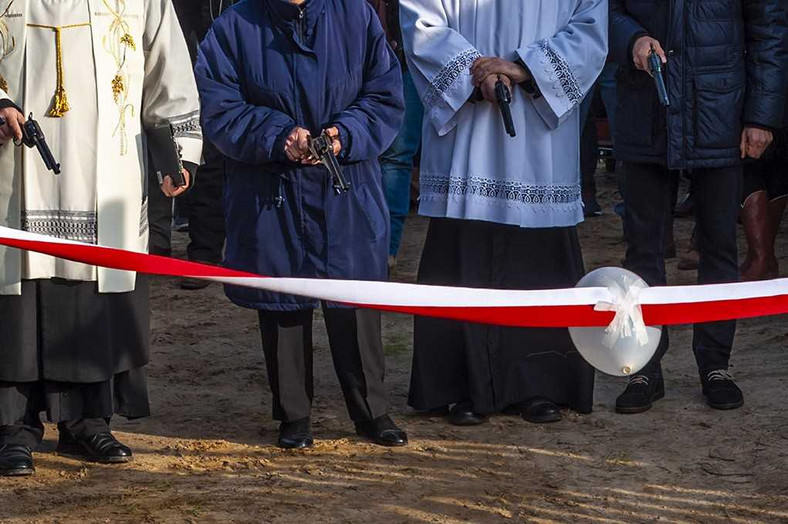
295, 435
641, 392
540, 410
720, 390
16, 460
463, 415
382, 431
103, 448
193, 284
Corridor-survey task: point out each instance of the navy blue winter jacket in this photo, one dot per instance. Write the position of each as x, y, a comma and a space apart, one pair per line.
265, 67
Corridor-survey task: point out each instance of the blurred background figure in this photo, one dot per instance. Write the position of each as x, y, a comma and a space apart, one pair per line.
397, 161
597, 113
200, 211
197, 212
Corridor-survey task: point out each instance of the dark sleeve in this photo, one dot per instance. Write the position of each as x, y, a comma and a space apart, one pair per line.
767, 37
242, 131
372, 121
5, 103
624, 30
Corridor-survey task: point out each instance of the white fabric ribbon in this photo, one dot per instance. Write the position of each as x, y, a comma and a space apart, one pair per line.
628, 321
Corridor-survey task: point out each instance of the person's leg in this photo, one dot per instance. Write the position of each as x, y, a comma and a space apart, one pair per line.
607, 90
17, 441
181, 211
648, 190
397, 163
287, 345
83, 412
357, 350
206, 215
159, 217
717, 200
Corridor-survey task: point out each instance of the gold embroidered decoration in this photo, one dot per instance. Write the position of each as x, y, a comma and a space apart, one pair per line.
60, 105
117, 42
7, 43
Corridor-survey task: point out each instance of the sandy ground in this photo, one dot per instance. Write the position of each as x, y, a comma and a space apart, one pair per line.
206, 455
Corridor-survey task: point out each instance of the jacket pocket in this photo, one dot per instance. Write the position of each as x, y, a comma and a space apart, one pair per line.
636, 106
719, 97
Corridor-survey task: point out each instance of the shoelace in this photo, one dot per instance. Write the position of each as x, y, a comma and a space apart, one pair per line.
719, 374
637, 380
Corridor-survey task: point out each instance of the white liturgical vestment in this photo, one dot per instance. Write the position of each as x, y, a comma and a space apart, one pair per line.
94, 74
470, 167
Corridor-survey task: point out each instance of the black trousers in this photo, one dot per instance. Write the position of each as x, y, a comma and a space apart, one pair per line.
205, 210
159, 217
30, 431
357, 350
717, 194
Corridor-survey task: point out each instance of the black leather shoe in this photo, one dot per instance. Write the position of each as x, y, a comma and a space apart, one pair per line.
720, 390
641, 392
16, 460
295, 435
103, 448
382, 431
193, 284
540, 410
463, 415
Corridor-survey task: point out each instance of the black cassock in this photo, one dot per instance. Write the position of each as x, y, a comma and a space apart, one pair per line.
496, 367
72, 352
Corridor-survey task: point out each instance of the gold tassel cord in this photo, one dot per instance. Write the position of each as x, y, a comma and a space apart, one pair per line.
60, 106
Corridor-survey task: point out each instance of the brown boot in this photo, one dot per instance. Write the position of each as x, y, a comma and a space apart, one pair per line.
776, 214
760, 263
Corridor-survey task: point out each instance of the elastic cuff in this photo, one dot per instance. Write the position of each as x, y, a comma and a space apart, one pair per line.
5, 103
760, 126
529, 86
278, 152
345, 138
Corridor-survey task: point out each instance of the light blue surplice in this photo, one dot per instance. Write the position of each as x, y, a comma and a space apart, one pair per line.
470, 167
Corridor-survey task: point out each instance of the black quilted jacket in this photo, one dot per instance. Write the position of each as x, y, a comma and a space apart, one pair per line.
727, 65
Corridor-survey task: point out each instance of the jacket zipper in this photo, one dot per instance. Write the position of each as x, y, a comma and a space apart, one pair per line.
300, 25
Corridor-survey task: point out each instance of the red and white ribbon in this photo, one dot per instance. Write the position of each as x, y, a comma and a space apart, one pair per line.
543, 308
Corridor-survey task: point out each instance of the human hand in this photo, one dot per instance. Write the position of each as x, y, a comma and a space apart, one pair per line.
484, 67
12, 126
641, 51
754, 142
168, 186
333, 133
488, 86
297, 145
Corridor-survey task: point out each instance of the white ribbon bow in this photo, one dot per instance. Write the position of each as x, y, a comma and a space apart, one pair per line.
629, 315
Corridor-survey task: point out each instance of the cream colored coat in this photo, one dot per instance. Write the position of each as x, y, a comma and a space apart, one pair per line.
153, 85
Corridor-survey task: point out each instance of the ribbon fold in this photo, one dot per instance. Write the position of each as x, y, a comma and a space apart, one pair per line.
628, 321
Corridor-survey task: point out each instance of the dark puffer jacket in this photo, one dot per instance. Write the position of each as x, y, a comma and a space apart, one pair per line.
726, 69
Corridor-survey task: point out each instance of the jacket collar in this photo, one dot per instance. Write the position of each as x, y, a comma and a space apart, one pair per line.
288, 13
